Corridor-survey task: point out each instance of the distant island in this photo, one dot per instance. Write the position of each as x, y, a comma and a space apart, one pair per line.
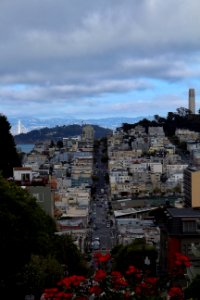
57, 133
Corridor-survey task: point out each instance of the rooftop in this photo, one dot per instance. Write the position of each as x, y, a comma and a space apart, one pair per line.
184, 212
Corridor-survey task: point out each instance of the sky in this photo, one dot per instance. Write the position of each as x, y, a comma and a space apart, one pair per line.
98, 58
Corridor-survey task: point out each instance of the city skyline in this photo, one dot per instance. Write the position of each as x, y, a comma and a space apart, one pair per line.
95, 59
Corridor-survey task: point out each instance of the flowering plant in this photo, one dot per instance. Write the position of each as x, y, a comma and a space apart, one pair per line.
107, 284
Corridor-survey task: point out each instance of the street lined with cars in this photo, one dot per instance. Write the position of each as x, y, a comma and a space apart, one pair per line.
101, 225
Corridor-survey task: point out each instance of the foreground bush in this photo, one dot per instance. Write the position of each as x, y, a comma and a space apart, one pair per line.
107, 284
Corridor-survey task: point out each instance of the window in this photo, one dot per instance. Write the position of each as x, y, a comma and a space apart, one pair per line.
189, 226
25, 177
39, 197
198, 225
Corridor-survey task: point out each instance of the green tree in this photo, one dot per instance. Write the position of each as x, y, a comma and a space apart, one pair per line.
60, 144
39, 273
182, 111
67, 253
27, 231
8, 153
134, 254
192, 291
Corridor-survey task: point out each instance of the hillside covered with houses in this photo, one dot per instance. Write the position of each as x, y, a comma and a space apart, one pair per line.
150, 195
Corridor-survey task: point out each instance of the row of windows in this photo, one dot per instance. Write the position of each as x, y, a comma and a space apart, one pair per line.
191, 226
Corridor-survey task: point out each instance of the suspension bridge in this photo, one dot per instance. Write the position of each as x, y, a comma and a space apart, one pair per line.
18, 128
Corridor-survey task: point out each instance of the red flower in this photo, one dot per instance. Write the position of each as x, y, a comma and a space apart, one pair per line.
102, 257
50, 293
63, 295
105, 257
71, 281
182, 260
116, 273
118, 280
100, 275
187, 264
76, 280
95, 290
131, 269
151, 280
66, 282
97, 255
121, 281
176, 292
138, 290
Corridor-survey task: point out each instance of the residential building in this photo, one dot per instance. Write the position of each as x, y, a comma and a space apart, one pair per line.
180, 230
88, 133
192, 187
43, 197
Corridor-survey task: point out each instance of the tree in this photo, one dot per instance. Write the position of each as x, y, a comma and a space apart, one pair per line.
170, 116
192, 291
52, 144
8, 152
60, 144
39, 273
134, 254
67, 253
183, 112
27, 231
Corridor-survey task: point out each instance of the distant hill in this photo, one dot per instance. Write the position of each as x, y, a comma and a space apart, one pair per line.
57, 133
29, 124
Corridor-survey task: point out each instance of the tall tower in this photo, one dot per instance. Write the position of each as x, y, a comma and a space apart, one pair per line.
192, 101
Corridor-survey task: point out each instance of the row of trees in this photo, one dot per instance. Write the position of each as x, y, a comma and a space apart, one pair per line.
182, 118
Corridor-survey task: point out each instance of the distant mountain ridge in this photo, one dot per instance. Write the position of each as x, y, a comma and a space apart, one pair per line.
57, 133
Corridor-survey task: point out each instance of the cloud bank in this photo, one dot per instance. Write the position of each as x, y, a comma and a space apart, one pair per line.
104, 57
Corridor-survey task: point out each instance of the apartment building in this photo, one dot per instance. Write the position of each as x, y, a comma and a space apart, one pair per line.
192, 187
179, 232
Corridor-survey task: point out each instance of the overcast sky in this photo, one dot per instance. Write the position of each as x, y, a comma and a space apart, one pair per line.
98, 58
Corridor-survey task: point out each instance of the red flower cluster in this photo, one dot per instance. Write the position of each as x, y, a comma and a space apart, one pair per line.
148, 287
54, 293
134, 271
66, 288
118, 280
176, 293
100, 275
96, 290
134, 284
102, 258
72, 281
182, 260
